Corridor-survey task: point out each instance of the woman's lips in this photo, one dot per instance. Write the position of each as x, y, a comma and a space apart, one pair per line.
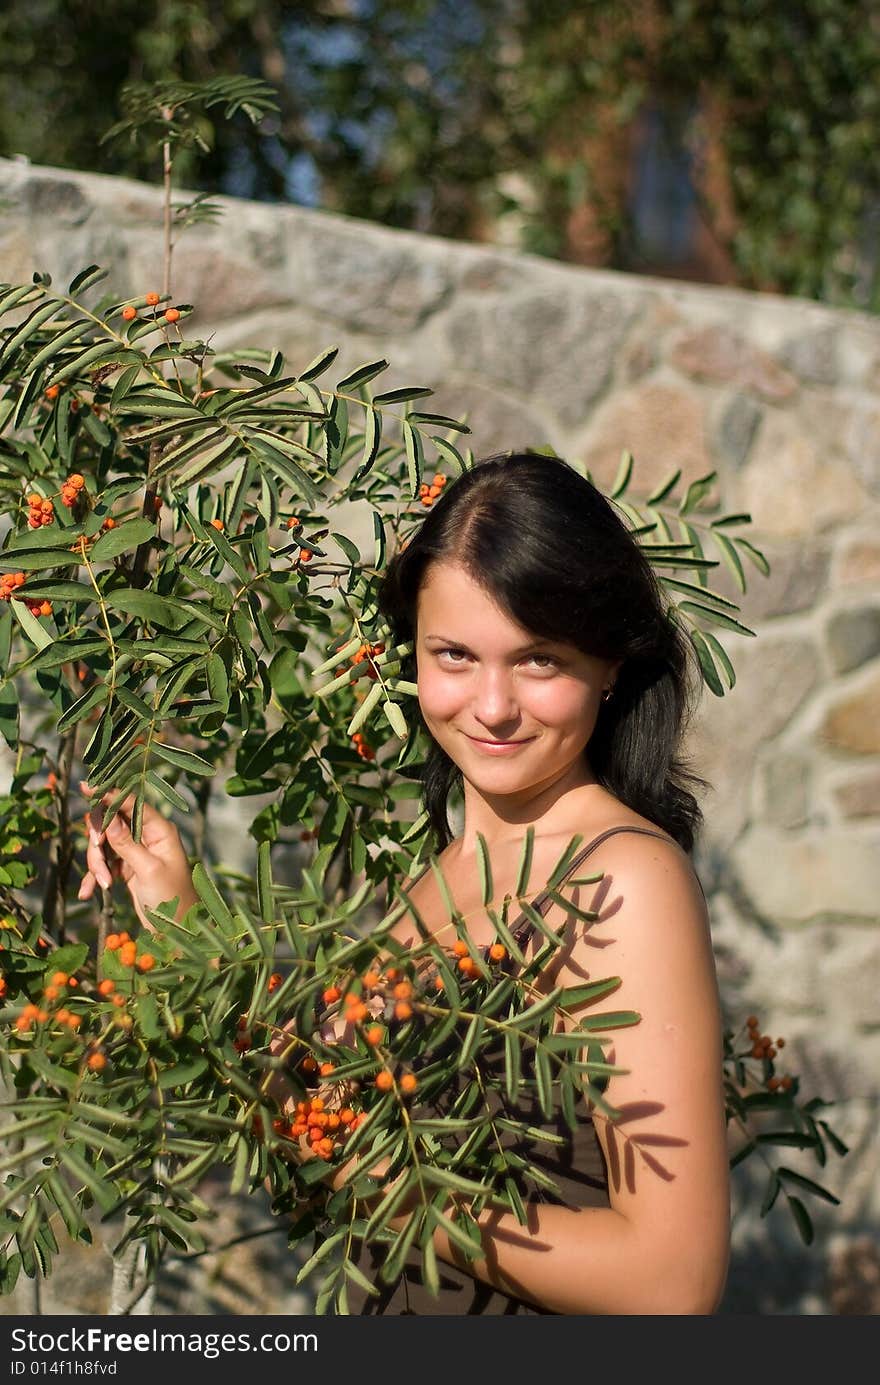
499, 747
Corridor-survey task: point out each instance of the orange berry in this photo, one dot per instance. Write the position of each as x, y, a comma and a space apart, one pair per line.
72, 981
439, 983
51, 992
346, 1115
172, 314
34, 499
438, 479
53, 391
757, 1051
326, 1069
371, 980
351, 998
146, 962
129, 314
125, 937
317, 1105
128, 954
403, 1010
331, 995
460, 948
293, 522
109, 523
106, 987
274, 981
780, 1043
403, 990
152, 299
74, 1022
22, 1024
392, 973
41, 1016
96, 1062
76, 480
62, 1016
216, 523
60, 978
358, 1013
309, 1064
497, 952
408, 1082
375, 1034
468, 966
46, 507
118, 999
384, 1081
752, 1021
114, 941
305, 555
46, 608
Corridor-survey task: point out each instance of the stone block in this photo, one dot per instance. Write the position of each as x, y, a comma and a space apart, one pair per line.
664, 427
813, 355
833, 873
853, 637
554, 347
859, 561
721, 356
65, 202
794, 488
852, 721
775, 675
736, 428
787, 790
861, 442
858, 796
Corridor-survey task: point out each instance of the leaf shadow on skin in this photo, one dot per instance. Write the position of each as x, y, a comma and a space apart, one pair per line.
622, 1148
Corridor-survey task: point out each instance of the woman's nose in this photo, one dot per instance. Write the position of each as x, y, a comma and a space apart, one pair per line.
495, 701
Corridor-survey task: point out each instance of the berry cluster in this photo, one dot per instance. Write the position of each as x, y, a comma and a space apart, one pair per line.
70, 489
764, 1048
58, 986
368, 653
326, 1130
365, 750
9, 584
130, 312
42, 511
122, 944
428, 493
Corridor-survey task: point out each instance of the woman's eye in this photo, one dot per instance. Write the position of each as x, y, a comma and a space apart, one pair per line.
453, 652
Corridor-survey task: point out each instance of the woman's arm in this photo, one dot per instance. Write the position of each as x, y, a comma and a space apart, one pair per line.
662, 1247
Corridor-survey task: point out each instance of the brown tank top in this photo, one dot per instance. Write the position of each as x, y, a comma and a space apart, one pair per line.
577, 1167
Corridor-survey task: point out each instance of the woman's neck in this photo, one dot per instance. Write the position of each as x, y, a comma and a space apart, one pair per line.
551, 809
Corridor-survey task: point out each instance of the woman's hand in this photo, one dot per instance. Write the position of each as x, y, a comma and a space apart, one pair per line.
155, 869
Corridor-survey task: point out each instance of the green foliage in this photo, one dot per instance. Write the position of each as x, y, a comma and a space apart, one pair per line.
188, 612
443, 118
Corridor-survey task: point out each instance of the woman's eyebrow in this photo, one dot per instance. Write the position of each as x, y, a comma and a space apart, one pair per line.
458, 644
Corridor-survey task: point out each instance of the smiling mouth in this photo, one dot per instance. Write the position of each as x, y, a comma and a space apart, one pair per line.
481, 740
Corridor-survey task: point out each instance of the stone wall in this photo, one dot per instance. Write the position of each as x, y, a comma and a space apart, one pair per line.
780, 397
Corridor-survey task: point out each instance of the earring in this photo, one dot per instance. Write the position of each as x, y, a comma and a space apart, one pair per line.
606, 694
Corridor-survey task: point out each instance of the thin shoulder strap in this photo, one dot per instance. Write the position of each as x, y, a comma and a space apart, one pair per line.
543, 899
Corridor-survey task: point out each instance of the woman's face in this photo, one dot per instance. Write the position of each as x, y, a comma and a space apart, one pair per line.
513, 711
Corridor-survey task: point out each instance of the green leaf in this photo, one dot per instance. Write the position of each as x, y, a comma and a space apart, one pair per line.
707, 662
184, 759
664, 489
400, 396
396, 719
83, 705
731, 558
755, 554
319, 364
181, 1074
122, 539
696, 492
484, 867
30, 624
714, 617
414, 456
624, 473
362, 375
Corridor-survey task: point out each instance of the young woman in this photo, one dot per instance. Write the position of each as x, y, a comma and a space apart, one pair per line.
555, 689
